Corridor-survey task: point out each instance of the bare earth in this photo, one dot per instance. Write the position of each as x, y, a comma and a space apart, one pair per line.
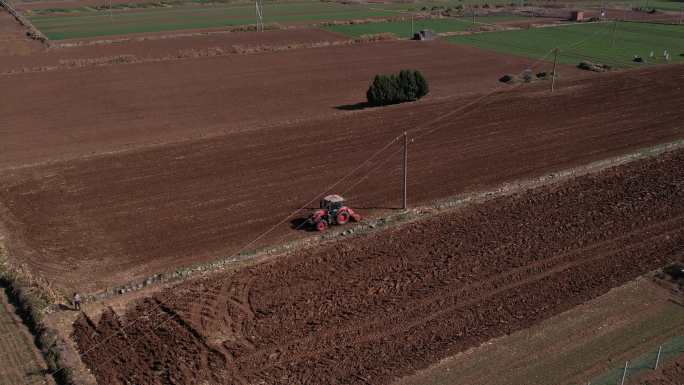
125, 216
79, 112
374, 308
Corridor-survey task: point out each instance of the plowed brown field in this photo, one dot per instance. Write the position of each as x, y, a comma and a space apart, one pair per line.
374, 308
73, 113
93, 223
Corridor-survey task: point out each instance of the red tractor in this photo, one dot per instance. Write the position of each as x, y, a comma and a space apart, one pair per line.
332, 211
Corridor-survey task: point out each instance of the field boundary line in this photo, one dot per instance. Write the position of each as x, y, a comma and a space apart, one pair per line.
422, 212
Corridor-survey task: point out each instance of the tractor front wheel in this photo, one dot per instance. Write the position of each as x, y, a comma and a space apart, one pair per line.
342, 217
322, 225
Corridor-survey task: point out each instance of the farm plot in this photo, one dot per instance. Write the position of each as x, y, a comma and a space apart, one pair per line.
378, 307
20, 362
592, 42
131, 105
88, 23
404, 28
124, 216
129, 50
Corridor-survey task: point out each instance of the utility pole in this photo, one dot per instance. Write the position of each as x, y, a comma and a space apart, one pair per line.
624, 374
555, 64
473, 14
612, 39
412, 30
660, 349
404, 204
259, 16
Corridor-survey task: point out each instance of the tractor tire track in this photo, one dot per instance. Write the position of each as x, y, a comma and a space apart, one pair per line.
405, 319
386, 304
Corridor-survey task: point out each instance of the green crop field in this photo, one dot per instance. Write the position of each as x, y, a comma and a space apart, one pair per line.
87, 22
403, 28
168, 15
613, 44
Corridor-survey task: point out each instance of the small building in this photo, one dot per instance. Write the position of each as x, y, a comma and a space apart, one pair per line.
424, 34
577, 16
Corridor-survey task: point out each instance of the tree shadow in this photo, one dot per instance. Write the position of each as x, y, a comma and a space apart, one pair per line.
354, 107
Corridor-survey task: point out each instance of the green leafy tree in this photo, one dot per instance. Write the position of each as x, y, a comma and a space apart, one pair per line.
381, 91
421, 84
407, 86
398, 94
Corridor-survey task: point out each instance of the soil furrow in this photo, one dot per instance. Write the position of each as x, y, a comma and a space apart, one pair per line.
376, 307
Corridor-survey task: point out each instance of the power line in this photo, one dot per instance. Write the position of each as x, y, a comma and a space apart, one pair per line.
161, 302
243, 248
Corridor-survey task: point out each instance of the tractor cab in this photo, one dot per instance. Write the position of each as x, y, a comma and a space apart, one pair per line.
332, 212
332, 202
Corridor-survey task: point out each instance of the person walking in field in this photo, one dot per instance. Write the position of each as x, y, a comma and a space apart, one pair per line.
77, 301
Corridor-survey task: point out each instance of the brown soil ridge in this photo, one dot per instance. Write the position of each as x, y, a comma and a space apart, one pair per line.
374, 308
189, 53
167, 47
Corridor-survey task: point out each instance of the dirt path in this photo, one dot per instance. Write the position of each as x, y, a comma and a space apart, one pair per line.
20, 362
378, 307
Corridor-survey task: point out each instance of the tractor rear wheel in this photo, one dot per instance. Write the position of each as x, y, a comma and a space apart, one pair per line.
322, 225
342, 217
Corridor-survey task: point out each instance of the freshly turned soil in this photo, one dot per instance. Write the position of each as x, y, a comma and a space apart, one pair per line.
373, 308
